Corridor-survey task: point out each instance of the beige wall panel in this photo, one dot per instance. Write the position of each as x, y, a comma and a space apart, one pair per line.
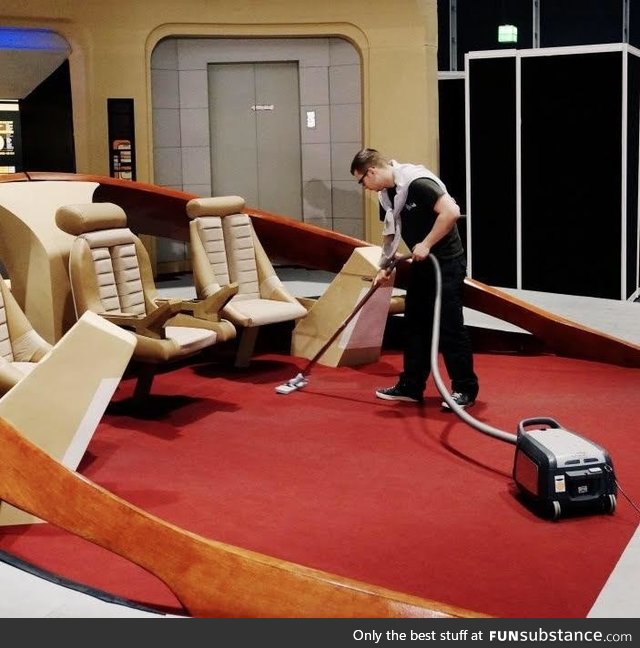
112, 44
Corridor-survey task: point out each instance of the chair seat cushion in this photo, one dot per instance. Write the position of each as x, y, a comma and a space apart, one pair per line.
179, 342
257, 312
190, 340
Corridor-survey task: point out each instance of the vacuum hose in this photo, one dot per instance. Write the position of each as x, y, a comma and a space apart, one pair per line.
435, 339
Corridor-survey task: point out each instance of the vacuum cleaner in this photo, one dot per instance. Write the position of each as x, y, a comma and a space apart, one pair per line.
557, 471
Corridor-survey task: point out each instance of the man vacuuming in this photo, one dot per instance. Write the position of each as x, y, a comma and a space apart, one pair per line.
416, 207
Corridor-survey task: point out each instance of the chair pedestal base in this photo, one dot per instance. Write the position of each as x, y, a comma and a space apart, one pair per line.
247, 343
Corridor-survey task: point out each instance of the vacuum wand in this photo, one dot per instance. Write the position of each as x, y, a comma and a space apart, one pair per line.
302, 378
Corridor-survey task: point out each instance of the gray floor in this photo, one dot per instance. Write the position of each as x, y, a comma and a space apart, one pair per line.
620, 319
35, 597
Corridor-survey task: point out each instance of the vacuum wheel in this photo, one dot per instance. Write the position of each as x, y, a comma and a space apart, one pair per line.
609, 503
556, 510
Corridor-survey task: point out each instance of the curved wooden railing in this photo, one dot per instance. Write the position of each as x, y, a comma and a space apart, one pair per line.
210, 579
562, 336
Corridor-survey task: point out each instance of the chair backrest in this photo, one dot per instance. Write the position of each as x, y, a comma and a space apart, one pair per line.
19, 341
6, 348
241, 254
208, 231
109, 268
225, 235
21, 347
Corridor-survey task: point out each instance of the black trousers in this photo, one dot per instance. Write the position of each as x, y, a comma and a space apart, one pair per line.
455, 342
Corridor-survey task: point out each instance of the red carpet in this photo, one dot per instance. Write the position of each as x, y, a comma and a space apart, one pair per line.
408, 498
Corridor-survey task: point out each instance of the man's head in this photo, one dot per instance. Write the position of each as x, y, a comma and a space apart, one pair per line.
372, 170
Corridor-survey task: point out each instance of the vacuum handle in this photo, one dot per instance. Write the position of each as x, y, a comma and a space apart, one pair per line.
539, 420
393, 262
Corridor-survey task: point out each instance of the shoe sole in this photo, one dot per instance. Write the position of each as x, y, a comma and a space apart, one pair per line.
406, 399
446, 407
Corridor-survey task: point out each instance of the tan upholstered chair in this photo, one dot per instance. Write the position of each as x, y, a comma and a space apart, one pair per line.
110, 274
225, 249
21, 347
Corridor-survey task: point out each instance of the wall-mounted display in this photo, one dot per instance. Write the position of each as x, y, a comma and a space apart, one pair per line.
10, 145
121, 139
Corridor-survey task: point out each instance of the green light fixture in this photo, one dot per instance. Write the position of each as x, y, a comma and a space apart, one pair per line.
507, 34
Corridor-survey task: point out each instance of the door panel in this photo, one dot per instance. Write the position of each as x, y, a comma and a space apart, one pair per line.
255, 134
232, 127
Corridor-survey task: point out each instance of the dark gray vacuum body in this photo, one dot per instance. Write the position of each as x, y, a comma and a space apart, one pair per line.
561, 471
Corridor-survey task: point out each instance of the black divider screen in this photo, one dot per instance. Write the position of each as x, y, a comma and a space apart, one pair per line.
633, 135
452, 138
580, 22
452, 143
492, 157
571, 173
634, 23
444, 11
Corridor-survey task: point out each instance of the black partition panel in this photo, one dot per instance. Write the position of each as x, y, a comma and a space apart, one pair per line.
560, 212
452, 138
633, 137
571, 170
444, 38
451, 132
492, 202
580, 22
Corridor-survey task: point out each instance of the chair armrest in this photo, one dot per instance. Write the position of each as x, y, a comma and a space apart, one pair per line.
151, 325
210, 307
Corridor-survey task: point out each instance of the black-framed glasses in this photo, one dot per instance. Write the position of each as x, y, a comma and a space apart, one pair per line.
364, 175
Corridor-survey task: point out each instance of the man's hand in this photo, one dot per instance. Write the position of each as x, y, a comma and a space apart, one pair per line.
420, 251
383, 278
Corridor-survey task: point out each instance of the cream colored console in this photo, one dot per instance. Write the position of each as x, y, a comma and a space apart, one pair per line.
59, 404
361, 340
